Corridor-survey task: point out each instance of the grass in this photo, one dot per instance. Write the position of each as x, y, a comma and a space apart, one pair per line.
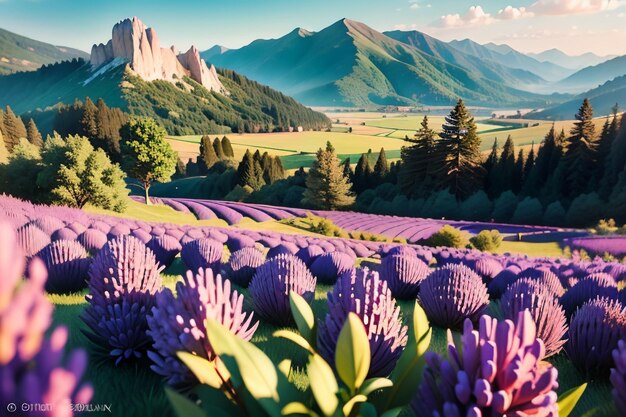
531, 248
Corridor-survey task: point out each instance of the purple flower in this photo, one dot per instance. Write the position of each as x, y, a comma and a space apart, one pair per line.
362, 292
238, 242
549, 317
502, 281
496, 371
285, 248
488, 268
123, 279
178, 324
142, 235
329, 266
588, 288
64, 234
67, 264
618, 377
32, 239
545, 277
272, 283
31, 364
243, 264
310, 253
92, 240
120, 229
165, 249
403, 273
202, 253
594, 331
451, 294
48, 224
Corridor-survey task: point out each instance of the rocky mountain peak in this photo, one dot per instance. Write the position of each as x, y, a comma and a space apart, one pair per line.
138, 45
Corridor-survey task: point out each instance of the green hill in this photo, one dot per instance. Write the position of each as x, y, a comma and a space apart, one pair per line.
18, 53
349, 63
182, 108
593, 76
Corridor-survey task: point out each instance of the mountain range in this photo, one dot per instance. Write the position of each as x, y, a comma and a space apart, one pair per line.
19, 53
576, 62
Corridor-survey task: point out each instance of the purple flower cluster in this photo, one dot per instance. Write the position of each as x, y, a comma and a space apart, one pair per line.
362, 292
451, 294
31, 364
123, 280
598, 246
242, 265
272, 283
67, 263
618, 377
178, 323
495, 371
403, 273
329, 266
202, 253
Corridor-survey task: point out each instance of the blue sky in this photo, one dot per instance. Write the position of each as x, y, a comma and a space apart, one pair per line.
574, 26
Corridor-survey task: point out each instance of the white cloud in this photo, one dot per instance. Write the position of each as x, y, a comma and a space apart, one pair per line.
512, 13
569, 7
414, 6
404, 26
475, 16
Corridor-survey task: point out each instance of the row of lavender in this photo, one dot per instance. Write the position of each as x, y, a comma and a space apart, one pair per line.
459, 289
599, 245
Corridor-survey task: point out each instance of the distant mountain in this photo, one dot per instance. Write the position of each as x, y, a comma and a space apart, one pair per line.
134, 73
509, 57
576, 62
490, 69
349, 63
18, 53
213, 51
593, 76
602, 98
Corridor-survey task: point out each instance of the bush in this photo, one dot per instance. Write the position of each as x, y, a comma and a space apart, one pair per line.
449, 237
487, 240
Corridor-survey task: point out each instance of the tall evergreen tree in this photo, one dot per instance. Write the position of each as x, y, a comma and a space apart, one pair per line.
518, 172
4, 153
326, 187
362, 174
227, 148
461, 171
615, 160
32, 134
249, 172
419, 160
347, 169
207, 157
14, 128
581, 152
89, 119
381, 168
219, 151
490, 168
530, 163
504, 170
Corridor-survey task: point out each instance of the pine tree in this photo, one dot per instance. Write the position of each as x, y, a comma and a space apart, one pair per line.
249, 172
14, 128
504, 170
543, 168
518, 173
381, 168
207, 153
4, 153
227, 147
362, 174
530, 163
490, 168
32, 134
461, 172
347, 169
615, 160
419, 160
89, 120
219, 151
581, 152
181, 169
326, 187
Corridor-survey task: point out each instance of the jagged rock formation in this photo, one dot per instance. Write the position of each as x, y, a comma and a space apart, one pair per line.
139, 45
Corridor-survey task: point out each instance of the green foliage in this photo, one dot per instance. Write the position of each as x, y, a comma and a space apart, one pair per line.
147, 156
606, 227
326, 187
13, 128
581, 152
227, 148
362, 174
381, 168
528, 211
249, 172
207, 157
486, 240
32, 133
4, 153
419, 161
448, 236
568, 400
19, 176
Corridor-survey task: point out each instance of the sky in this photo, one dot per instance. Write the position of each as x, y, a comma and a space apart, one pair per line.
573, 26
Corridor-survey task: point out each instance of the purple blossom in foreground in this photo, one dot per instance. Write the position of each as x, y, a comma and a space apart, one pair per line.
403, 274
123, 280
329, 266
178, 324
272, 283
594, 331
362, 292
165, 249
588, 288
618, 377
496, 371
67, 264
549, 317
243, 264
202, 253
451, 294
31, 369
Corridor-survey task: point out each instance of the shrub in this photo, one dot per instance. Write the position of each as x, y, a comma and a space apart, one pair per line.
486, 240
449, 237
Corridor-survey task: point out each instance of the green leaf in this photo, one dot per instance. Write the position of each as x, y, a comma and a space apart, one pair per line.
259, 374
183, 407
298, 408
421, 329
568, 400
357, 399
205, 371
323, 384
295, 338
303, 315
367, 410
394, 412
374, 384
285, 367
352, 356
